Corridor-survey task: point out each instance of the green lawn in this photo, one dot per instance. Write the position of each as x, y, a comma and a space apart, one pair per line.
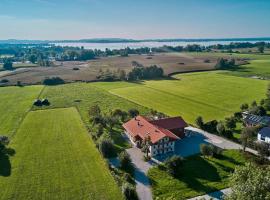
213, 95
198, 176
259, 65
55, 159
15, 102
85, 95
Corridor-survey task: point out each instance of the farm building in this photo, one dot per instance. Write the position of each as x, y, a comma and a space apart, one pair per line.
264, 135
162, 133
255, 120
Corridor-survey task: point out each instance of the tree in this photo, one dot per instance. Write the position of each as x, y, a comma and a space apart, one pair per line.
268, 91
173, 165
257, 110
33, 58
253, 104
221, 128
261, 49
122, 75
206, 150
263, 150
146, 146
230, 123
250, 182
129, 192
4, 141
244, 107
8, 65
125, 162
246, 136
111, 121
133, 112
199, 122
106, 147
94, 111
120, 114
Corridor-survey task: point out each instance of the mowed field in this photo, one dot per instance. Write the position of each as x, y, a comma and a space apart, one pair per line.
15, 102
83, 96
55, 159
212, 95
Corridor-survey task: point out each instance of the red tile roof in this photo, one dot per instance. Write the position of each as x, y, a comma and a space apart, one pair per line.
143, 127
170, 123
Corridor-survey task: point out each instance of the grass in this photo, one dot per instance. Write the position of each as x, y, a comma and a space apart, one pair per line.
212, 95
260, 68
55, 159
85, 95
15, 102
259, 65
199, 176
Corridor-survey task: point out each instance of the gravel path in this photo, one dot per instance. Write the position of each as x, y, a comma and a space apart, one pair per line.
143, 186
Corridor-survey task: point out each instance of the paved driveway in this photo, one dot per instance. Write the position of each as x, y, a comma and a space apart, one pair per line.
218, 195
220, 141
143, 187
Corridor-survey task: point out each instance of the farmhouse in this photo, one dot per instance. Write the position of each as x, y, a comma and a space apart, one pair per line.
162, 133
264, 135
255, 120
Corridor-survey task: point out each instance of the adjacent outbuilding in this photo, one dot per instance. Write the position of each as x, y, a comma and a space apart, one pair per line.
264, 135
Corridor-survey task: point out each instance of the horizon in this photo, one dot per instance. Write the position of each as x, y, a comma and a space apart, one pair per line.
140, 20
143, 39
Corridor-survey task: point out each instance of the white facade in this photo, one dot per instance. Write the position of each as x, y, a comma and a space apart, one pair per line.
163, 146
263, 139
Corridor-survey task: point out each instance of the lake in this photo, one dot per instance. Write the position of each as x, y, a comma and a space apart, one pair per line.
103, 46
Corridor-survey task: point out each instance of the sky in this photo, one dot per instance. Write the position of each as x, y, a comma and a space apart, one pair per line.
135, 19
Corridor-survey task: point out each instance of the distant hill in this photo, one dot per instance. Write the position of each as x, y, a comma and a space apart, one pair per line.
123, 40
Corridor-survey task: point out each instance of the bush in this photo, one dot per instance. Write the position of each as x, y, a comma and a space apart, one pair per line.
45, 102
128, 178
19, 83
129, 192
133, 112
211, 126
37, 102
199, 122
8, 65
125, 162
53, 81
4, 141
224, 63
263, 150
4, 81
220, 128
206, 150
173, 165
106, 147
139, 73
